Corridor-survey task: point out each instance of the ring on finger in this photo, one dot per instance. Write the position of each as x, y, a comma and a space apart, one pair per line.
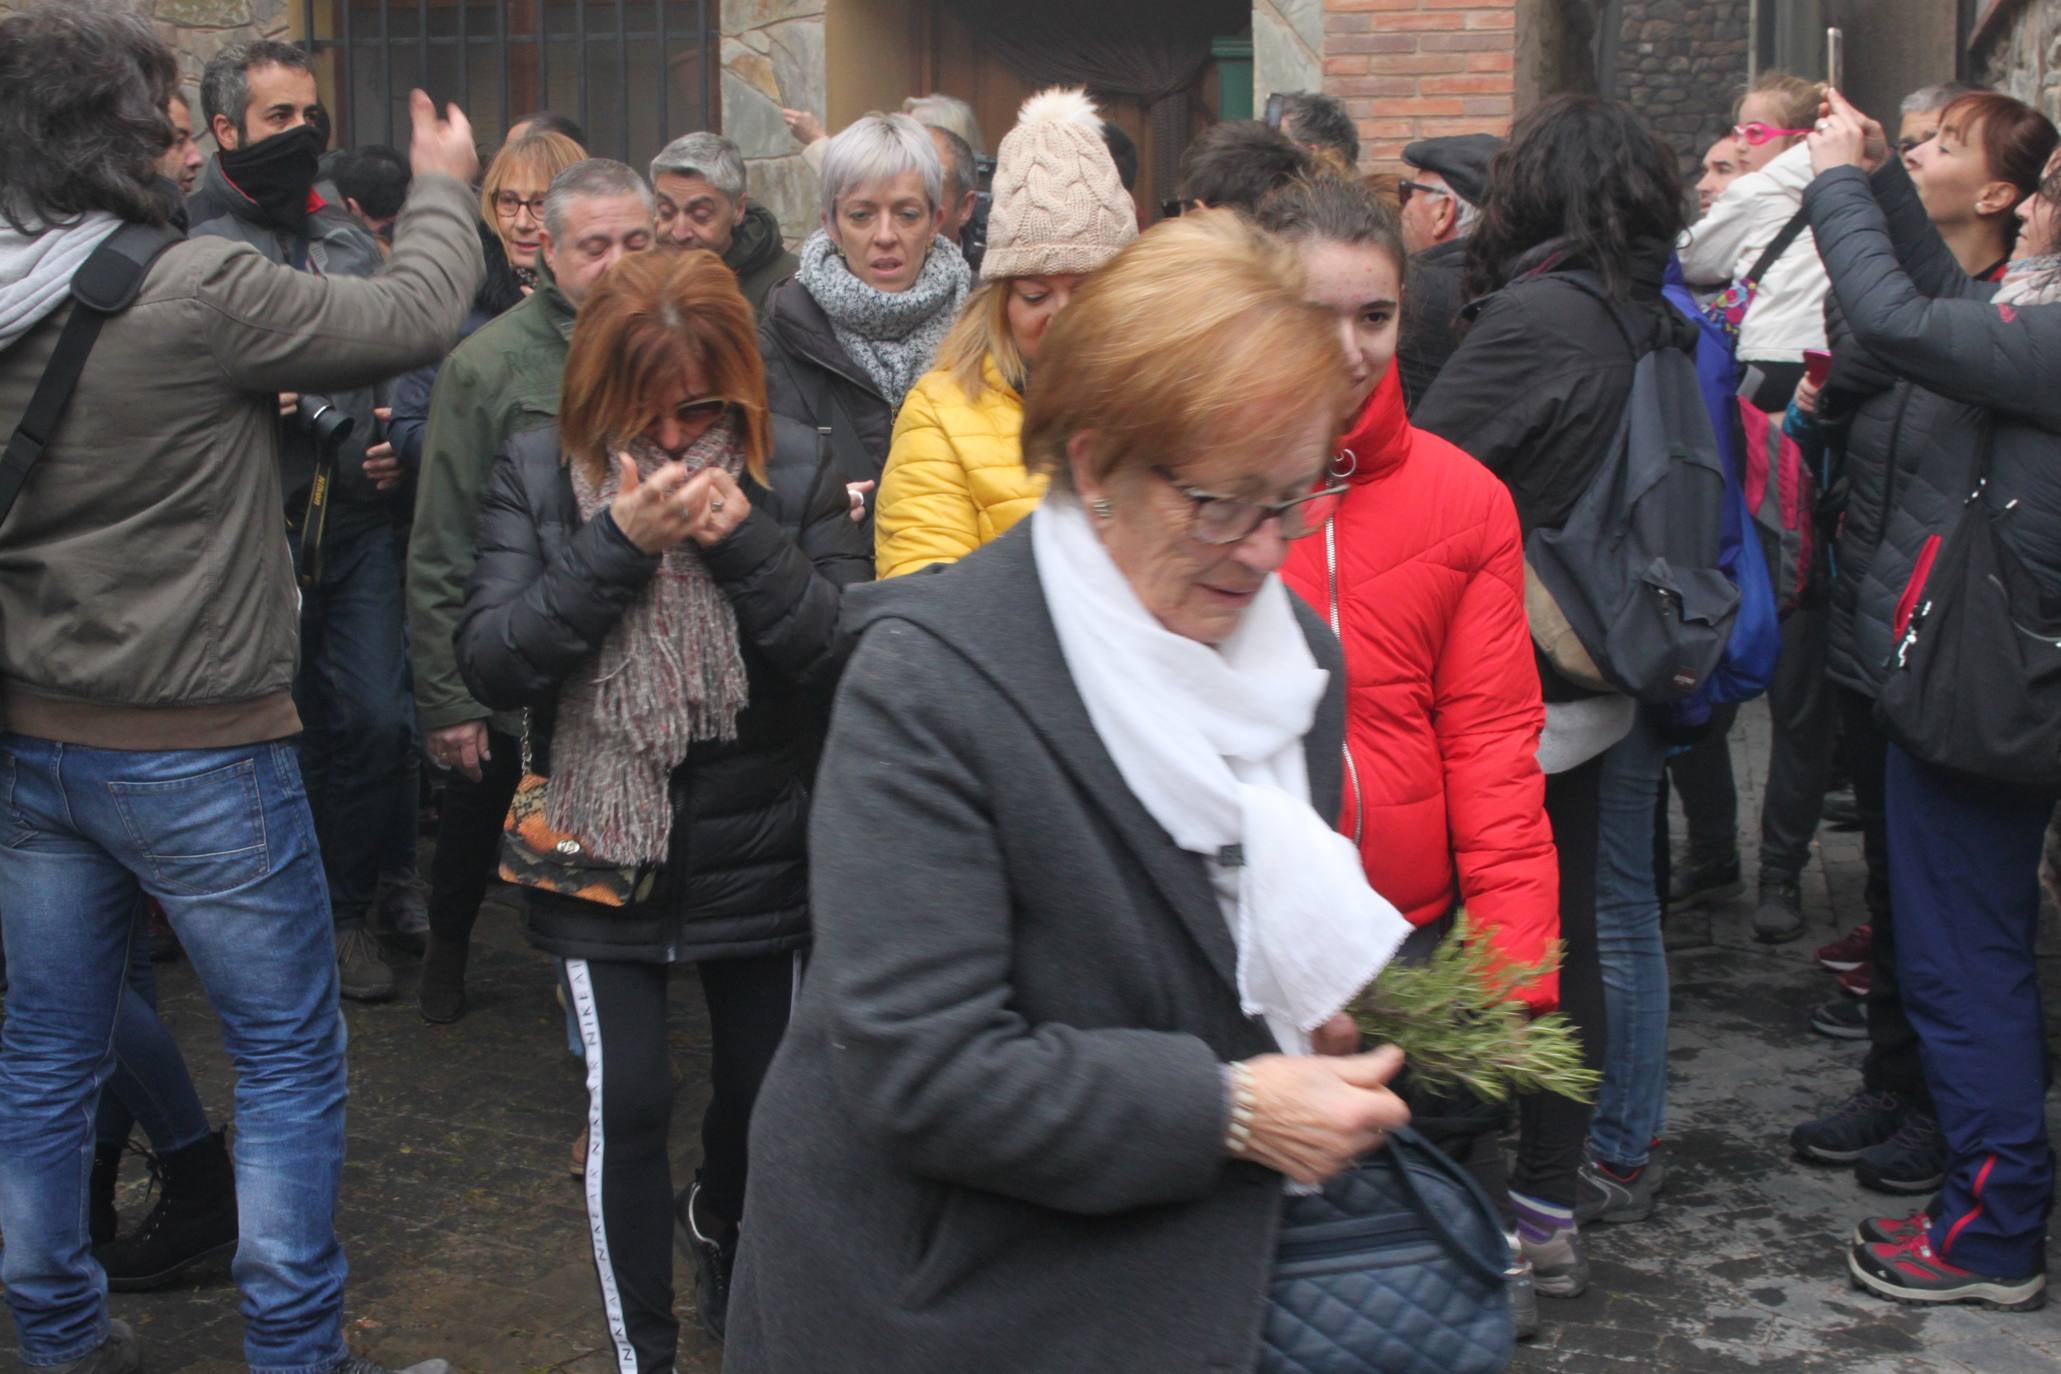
716, 504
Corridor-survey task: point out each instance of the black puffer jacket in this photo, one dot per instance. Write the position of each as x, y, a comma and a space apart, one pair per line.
545, 593
1909, 449
807, 370
1431, 323
1539, 383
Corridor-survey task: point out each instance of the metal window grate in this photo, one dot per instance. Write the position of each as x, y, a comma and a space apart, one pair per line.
635, 73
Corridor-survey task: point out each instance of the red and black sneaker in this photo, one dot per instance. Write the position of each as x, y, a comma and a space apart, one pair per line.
1908, 1271
1855, 982
1894, 1230
1849, 951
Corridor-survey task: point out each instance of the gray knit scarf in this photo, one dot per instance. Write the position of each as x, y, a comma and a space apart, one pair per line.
668, 676
892, 336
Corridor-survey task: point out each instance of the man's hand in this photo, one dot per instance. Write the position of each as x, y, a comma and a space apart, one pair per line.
805, 127
463, 747
441, 145
380, 463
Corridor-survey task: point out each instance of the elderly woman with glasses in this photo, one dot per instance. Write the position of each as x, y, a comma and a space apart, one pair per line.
658, 588
1051, 1065
847, 336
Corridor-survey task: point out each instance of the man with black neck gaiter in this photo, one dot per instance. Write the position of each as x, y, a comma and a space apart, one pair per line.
358, 752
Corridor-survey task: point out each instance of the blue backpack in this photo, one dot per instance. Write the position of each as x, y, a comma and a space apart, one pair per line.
1748, 666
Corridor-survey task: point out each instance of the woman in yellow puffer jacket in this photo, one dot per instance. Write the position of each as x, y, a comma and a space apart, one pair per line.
955, 477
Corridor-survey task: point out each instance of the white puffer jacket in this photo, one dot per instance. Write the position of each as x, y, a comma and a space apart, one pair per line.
1788, 313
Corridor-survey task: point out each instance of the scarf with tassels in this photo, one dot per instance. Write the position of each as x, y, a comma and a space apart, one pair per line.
669, 675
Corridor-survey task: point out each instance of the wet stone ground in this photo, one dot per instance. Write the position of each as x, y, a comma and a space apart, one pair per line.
467, 1237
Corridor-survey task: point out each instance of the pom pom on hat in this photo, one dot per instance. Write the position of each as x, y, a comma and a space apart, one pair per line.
1059, 206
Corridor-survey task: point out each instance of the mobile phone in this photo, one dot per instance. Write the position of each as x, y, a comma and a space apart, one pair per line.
1817, 365
1835, 60
1277, 107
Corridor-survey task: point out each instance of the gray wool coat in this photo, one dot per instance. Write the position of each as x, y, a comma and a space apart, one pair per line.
993, 1138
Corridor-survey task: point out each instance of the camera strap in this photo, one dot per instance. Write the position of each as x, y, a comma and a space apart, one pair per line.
317, 514
106, 284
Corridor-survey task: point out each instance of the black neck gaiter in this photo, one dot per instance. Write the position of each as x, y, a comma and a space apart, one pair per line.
277, 173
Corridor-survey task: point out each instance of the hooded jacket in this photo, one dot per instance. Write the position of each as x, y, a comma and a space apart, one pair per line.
333, 245
955, 477
146, 585
1957, 367
1422, 575
547, 590
758, 255
504, 379
1788, 312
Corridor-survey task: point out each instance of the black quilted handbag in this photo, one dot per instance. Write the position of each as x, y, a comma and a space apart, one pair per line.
1397, 1267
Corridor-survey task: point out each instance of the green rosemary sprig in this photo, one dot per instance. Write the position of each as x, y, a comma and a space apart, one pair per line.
1459, 1021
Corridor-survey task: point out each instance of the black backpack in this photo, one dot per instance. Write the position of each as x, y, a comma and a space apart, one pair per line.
1628, 595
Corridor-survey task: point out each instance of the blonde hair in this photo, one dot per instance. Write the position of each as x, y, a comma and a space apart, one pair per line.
533, 158
981, 333
1153, 367
1799, 98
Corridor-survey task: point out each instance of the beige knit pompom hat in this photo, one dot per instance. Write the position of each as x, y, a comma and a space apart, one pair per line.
1059, 205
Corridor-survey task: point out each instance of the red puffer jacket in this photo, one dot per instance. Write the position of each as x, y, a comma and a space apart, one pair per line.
1443, 793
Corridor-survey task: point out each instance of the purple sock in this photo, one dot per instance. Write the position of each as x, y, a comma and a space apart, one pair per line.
1536, 1220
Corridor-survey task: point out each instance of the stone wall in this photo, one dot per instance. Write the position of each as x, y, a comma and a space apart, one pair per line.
2017, 49
1287, 47
198, 29
773, 57
1681, 63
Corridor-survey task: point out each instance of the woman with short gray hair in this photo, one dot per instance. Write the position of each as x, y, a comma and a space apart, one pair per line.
878, 289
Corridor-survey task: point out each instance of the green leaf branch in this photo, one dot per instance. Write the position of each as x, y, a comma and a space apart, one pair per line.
1460, 1022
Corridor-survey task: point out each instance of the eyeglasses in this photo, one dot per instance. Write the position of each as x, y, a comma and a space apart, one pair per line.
1227, 520
507, 205
704, 412
1757, 133
1406, 189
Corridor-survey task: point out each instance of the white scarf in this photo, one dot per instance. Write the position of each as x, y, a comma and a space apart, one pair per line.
1210, 741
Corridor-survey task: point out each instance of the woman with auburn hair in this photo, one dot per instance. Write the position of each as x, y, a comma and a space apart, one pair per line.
658, 587
955, 477
1028, 1102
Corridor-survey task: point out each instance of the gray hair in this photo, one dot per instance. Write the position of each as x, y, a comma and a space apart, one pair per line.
595, 178
1926, 99
1466, 214
946, 112
880, 147
225, 85
711, 157
964, 176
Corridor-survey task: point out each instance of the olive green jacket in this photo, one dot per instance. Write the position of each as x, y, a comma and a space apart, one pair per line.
503, 380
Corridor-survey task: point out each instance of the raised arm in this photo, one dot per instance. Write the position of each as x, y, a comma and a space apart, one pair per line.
1959, 346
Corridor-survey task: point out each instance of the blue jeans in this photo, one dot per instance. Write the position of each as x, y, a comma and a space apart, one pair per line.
151, 1086
358, 707
221, 837
1632, 1108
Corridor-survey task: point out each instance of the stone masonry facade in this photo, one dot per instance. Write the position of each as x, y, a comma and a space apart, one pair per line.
1680, 63
2017, 49
773, 56
198, 29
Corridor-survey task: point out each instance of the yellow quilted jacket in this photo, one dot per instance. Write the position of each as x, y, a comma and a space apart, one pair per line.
954, 477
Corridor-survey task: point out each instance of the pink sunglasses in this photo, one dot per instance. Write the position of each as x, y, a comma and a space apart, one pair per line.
1758, 133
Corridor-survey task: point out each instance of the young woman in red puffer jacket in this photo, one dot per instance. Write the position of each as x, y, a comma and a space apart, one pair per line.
1421, 574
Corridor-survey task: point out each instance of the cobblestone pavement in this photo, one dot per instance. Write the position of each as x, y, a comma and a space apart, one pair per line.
467, 1238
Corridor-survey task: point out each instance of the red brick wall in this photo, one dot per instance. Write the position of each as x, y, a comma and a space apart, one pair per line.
1410, 69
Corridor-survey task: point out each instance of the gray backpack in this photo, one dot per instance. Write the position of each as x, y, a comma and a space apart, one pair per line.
1628, 595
